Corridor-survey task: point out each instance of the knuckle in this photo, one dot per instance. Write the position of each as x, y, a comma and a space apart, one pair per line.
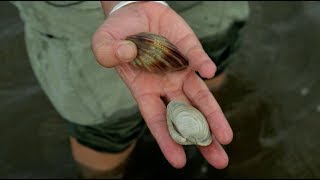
213, 114
202, 95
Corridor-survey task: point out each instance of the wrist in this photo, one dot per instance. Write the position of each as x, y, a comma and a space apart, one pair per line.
121, 4
107, 6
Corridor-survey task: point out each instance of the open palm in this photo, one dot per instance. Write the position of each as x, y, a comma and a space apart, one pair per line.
153, 91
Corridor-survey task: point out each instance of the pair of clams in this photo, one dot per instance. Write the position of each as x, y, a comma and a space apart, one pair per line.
186, 124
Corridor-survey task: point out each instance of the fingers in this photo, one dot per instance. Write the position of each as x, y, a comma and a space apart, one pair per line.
154, 112
182, 36
198, 58
215, 154
201, 62
202, 98
194, 88
177, 95
110, 52
173, 87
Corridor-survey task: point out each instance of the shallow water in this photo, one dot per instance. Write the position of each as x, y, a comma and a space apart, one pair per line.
271, 99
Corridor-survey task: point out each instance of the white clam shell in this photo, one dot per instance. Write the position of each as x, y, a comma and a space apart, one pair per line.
187, 125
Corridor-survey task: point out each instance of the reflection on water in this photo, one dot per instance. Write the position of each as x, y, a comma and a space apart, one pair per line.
271, 99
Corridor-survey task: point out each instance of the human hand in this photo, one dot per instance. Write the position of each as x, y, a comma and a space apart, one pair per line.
153, 91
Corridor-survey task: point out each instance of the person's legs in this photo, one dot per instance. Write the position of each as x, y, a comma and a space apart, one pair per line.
103, 150
94, 164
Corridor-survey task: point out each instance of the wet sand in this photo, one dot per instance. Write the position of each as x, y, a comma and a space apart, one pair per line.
271, 99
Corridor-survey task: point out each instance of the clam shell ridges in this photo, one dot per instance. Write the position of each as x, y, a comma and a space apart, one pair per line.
156, 53
187, 125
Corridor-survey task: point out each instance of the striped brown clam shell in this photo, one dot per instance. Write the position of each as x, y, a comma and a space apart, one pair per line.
156, 53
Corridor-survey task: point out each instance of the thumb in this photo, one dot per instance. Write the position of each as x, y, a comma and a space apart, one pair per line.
110, 52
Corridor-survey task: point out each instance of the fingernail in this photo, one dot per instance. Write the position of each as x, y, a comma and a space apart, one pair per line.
126, 51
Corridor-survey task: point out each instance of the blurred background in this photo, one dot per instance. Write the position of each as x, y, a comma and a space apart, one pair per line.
271, 99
